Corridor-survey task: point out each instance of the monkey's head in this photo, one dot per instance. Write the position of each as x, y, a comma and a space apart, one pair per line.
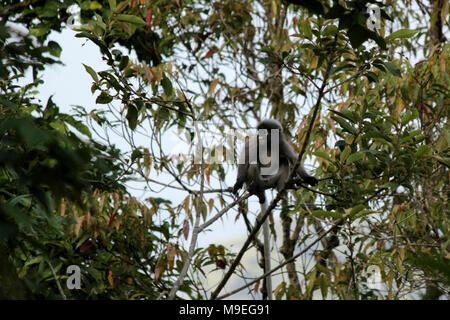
269, 124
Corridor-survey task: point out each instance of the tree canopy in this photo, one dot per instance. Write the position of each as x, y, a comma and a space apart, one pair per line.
366, 107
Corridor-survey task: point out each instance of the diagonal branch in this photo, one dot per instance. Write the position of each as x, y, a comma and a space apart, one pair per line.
284, 263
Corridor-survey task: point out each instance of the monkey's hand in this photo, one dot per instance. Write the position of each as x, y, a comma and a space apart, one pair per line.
297, 181
236, 188
312, 181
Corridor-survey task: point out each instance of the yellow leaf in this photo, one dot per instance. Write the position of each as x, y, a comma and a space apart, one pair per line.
110, 279
117, 224
279, 288
160, 266
171, 251
186, 228
274, 8
186, 204
88, 218
208, 173
312, 280
211, 204
213, 86
62, 209
148, 74
314, 62
78, 224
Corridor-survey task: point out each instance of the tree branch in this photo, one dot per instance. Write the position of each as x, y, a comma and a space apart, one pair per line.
282, 264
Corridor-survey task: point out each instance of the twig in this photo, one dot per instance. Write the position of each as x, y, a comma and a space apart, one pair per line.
267, 267
57, 280
18, 6
222, 212
195, 232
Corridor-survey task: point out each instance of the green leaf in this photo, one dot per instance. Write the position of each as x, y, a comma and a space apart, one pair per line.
49, 10
372, 77
357, 35
344, 154
23, 199
31, 134
393, 69
376, 135
269, 60
306, 29
80, 126
347, 114
354, 157
357, 209
94, 5
131, 19
402, 33
330, 30
322, 155
39, 30
20, 217
8, 104
136, 154
347, 127
423, 150
91, 72
167, 86
103, 98
54, 48
132, 115
112, 4
326, 214
123, 62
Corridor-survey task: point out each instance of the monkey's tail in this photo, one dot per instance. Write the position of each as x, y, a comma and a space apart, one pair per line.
266, 234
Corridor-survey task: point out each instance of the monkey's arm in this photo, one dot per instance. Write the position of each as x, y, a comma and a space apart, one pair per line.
243, 166
241, 177
286, 149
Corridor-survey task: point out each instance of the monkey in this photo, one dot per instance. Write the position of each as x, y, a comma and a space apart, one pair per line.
251, 174
256, 171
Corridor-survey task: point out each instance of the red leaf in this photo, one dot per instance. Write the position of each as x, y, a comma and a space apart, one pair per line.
186, 228
148, 19
424, 109
256, 288
210, 53
85, 246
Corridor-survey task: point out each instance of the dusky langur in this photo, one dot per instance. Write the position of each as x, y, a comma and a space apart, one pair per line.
256, 171
251, 173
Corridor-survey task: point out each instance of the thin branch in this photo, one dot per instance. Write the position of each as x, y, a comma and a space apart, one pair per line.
222, 212
282, 264
196, 230
57, 280
17, 7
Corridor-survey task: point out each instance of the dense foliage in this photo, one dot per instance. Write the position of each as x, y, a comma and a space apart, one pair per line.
368, 108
